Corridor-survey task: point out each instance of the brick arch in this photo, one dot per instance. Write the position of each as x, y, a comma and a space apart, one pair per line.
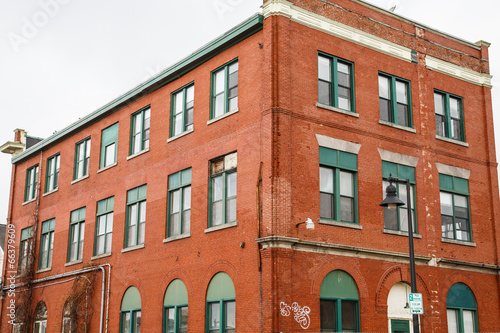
343, 265
393, 275
453, 278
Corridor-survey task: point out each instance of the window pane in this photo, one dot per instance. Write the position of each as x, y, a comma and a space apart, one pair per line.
326, 205
385, 109
220, 101
346, 187
233, 101
326, 180
110, 154
137, 321
447, 226
217, 190
324, 93
456, 131
324, 69
183, 319
401, 92
231, 184
214, 316
347, 209
344, 76
439, 104
170, 320
383, 87
217, 213
468, 321
187, 197
126, 322
219, 82
403, 118
454, 108
327, 314
440, 125
446, 203
230, 314
349, 315
233, 81
231, 210
452, 321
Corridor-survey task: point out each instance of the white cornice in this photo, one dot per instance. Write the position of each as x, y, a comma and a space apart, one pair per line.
453, 171
390, 156
458, 72
337, 144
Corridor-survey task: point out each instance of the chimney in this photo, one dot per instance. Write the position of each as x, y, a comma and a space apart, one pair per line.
17, 146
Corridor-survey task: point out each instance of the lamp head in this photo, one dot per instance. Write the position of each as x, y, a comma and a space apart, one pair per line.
391, 200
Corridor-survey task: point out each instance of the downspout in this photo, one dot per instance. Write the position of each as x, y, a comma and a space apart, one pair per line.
102, 296
107, 300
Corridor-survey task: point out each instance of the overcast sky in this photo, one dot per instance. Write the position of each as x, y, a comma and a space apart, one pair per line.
62, 59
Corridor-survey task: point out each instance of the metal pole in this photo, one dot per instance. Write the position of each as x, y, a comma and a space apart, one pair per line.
413, 282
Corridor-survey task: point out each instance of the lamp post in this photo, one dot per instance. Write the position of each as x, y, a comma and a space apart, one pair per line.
393, 202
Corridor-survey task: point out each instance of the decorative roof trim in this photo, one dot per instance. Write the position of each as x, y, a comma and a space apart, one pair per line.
203, 54
465, 74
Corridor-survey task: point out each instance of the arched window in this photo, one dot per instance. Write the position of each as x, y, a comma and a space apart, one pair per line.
175, 307
398, 309
461, 309
130, 316
69, 324
40, 318
221, 304
339, 303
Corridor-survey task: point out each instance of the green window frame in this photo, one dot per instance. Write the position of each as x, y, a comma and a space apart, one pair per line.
104, 226
130, 313
40, 320
52, 176
82, 159
461, 309
31, 183
223, 190
339, 303
25, 249
46, 244
224, 89
397, 219
395, 100
179, 203
448, 109
136, 216
336, 82
109, 142
139, 130
182, 110
338, 185
221, 305
400, 326
175, 308
455, 210
76, 234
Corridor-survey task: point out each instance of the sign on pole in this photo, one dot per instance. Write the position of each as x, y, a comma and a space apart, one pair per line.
416, 304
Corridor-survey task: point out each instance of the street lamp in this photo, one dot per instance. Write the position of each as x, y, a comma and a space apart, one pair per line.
393, 202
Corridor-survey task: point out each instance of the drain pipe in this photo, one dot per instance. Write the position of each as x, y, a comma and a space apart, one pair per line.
107, 299
102, 296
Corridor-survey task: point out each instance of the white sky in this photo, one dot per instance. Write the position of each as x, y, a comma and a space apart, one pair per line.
62, 59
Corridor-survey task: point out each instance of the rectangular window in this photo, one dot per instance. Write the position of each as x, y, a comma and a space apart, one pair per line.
25, 249
338, 185
130, 321
82, 157
109, 141
76, 234
222, 192
47, 244
225, 89
139, 131
455, 214
222, 317
179, 203
449, 116
104, 226
395, 100
397, 219
339, 315
136, 216
335, 82
31, 183
182, 110
52, 177
176, 319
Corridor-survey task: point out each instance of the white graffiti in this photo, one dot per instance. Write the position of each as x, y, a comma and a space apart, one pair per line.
300, 314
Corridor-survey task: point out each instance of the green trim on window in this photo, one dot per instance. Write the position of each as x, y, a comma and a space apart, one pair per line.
52, 173
400, 325
335, 83
213, 95
461, 296
454, 184
26, 233
221, 287
183, 112
31, 183
108, 138
46, 244
104, 207
179, 186
137, 194
139, 141
179, 179
79, 146
131, 299
393, 107
177, 309
136, 197
77, 224
448, 118
398, 171
176, 294
339, 284
338, 158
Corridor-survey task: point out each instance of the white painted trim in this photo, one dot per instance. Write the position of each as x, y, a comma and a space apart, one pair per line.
461, 143
180, 135
465, 74
318, 22
453, 171
337, 144
400, 127
397, 158
334, 109
341, 224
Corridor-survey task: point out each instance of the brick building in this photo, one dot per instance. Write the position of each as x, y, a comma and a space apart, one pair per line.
184, 201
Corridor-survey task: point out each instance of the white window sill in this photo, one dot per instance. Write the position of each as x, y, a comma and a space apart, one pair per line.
332, 108
107, 167
458, 242
138, 154
43, 270
133, 248
442, 138
220, 227
177, 237
79, 179
99, 256
222, 116
29, 201
71, 263
175, 137
341, 224
404, 128
400, 233
50, 192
